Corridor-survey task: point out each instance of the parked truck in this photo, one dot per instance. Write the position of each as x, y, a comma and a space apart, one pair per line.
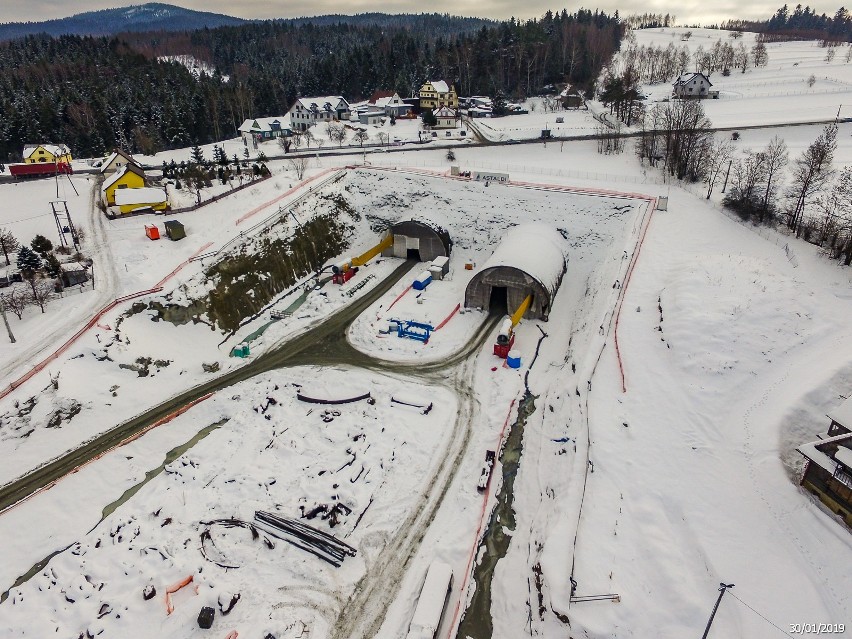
40, 169
432, 602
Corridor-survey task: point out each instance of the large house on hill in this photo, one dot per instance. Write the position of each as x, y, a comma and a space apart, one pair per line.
435, 94
306, 112
693, 85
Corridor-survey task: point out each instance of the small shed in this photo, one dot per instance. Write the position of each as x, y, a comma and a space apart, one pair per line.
174, 230
152, 232
73, 273
440, 266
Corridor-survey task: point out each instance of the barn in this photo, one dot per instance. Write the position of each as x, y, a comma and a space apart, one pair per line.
421, 239
531, 259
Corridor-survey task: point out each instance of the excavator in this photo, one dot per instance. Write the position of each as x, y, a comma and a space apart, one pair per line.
506, 336
343, 271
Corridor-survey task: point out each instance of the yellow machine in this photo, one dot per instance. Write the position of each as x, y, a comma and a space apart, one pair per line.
506, 336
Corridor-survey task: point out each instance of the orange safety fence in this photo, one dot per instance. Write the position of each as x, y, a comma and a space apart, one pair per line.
398, 297
233, 635
468, 569
623, 292
286, 193
173, 589
92, 322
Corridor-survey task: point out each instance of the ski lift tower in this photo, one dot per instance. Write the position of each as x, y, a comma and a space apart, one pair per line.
64, 224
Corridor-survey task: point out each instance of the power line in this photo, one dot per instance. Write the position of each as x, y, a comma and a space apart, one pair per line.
760, 615
24, 219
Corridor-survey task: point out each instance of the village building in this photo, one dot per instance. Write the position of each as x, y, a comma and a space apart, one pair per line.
390, 103
116, 160
307, 112
73, 273
437, 93
43, 153
446, 118
141, 199
828, 463
371, 115
266, 128
693, 85
129, 176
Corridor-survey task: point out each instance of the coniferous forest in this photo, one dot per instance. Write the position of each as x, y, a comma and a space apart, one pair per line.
94, 94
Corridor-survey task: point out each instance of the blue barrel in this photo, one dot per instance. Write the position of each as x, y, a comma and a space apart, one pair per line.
513, 360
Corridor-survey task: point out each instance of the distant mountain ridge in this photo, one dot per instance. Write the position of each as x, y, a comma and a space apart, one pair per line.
153, 16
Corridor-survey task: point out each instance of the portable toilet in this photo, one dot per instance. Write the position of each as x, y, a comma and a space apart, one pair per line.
423, 280
152, 232
175, 230
663, 203
513, 360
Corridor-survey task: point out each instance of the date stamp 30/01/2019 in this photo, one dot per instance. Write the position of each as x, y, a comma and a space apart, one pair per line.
817, 628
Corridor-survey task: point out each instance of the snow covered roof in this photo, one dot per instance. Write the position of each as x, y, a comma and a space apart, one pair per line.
440, 86
430, 605
115, 177
824, 460
72, 267
114, 156
444, 112
843, 414
536, 249
258, 125
686, 77
323, 103
53, 149
145, 195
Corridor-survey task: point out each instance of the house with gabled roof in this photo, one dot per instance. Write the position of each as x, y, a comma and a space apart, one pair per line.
306, 112
266, 128
46, 153
390, 103
116, 160
445, 118
693, 85
129, 176
438, 93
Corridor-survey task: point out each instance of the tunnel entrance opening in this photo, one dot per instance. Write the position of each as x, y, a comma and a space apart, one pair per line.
413, 254
498, 302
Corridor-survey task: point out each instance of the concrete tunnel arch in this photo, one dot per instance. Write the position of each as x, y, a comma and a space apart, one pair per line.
422, 239
530, 258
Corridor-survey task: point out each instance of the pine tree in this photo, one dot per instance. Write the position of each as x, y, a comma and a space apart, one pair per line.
52, 266
29, 263
8, 244
197, 155
41, 245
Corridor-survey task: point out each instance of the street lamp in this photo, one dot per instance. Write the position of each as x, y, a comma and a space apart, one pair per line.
722, 588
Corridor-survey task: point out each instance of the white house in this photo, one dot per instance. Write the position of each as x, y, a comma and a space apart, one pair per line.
390, 103
692, 85
266, 128
306, 112
116, 160
446, 118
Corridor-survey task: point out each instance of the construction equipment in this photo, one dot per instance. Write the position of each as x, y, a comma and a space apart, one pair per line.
344, 270
506, 336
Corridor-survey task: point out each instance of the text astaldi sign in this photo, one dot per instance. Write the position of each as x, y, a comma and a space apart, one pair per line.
480, 176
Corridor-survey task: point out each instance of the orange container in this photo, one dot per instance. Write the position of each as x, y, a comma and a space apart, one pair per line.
152, 232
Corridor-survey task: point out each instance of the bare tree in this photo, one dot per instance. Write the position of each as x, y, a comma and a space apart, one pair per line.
337, 133
309, 137
811, 81
299, 165
759, 55
718, 157
741, 57
383, 137
16, 300
775, 159
361, 136
296, 140
42, 293
748, 174
811, 172
285, 143
829, 55
8, 244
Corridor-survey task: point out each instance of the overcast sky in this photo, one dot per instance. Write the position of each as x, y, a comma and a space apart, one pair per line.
686, 11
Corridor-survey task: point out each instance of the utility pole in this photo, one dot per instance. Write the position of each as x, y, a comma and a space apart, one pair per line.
722, 589
6, 319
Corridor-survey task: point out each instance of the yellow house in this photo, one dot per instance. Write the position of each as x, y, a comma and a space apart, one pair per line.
39, 153
129, 176
435, 94
129, 200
